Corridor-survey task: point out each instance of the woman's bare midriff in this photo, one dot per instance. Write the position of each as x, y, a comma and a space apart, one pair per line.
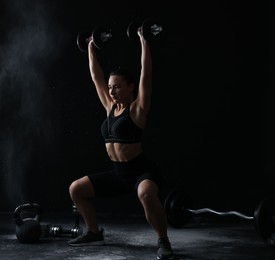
123, 152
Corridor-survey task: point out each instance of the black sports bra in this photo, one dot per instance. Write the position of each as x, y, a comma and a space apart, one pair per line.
120, 129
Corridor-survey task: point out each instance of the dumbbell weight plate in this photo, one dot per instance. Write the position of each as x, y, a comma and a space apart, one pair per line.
132, 31
264, 218
151, 29
102, 37
82, 41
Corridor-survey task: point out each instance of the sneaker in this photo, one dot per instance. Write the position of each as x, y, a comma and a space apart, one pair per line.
164, 249
88, 239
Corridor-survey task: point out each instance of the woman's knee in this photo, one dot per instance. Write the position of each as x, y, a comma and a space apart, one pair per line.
73, 188
81, 188
147, 192
145, 197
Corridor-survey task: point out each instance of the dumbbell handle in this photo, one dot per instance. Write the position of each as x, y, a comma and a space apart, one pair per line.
57, 231
204, 210
105, 36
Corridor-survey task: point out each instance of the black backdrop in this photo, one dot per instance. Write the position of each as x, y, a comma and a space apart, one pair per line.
211, 123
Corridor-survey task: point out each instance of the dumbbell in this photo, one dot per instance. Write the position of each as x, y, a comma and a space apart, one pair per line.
177, 208
59, 230
101, 38
150, 27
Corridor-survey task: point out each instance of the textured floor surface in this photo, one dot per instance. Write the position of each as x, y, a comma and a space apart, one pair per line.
134, 239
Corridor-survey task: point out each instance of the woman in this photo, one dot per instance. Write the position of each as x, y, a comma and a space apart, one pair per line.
122, 132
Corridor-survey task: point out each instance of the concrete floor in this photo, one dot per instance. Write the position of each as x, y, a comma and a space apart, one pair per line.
132, 238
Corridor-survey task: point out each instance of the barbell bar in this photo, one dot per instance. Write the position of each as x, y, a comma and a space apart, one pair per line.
178, 209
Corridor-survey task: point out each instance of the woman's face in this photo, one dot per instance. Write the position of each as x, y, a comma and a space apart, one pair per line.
119, 90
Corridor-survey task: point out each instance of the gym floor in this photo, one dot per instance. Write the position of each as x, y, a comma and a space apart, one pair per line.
132, 238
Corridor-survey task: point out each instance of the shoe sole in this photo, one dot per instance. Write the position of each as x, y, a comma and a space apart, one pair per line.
165, 258
97, 243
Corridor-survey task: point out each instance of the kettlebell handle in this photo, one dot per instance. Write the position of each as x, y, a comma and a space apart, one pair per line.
27, 206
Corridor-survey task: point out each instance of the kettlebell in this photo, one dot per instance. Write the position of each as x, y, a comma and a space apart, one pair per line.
28, 230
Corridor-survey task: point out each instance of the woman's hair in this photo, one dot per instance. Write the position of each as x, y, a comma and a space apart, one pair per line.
123, 72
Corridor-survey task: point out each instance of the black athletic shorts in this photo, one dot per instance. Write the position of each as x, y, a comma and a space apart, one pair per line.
125, 177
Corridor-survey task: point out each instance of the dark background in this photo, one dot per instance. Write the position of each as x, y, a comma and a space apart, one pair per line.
211, 126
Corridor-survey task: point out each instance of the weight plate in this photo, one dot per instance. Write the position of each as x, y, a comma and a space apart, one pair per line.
176, 204
264, 217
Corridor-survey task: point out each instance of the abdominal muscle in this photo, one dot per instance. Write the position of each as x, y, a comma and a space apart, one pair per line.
123, 152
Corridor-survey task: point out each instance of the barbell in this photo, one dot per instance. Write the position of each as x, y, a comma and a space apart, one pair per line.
178, 210
101, 36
